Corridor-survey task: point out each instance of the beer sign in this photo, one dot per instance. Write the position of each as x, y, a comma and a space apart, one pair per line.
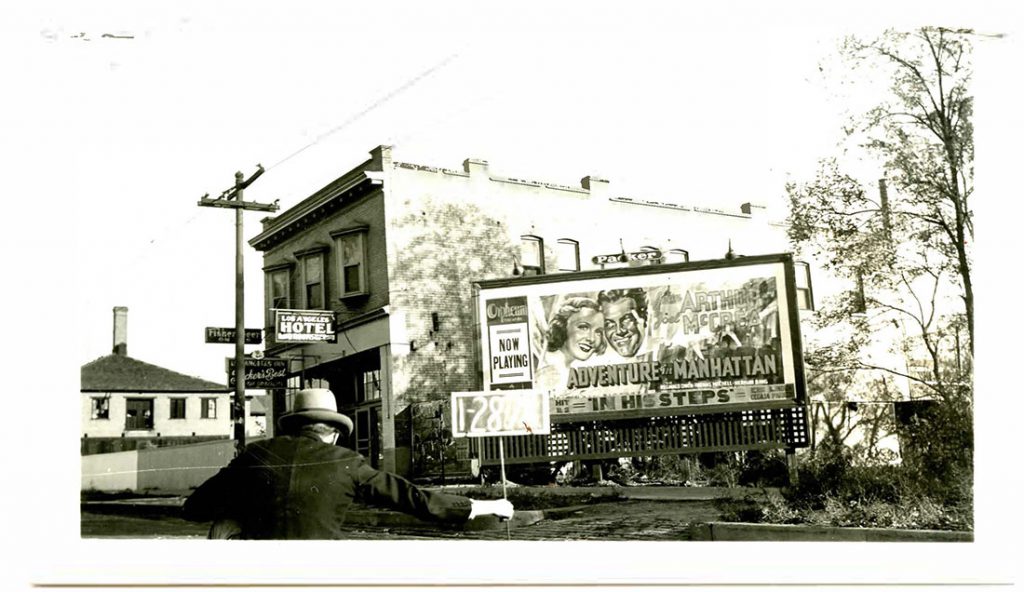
263, 373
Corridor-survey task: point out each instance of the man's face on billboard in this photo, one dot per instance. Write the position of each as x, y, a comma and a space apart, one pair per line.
623, 328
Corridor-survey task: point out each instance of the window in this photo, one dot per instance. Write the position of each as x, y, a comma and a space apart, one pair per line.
101, 407
531, 250
568, 255
209, 408
313, 280
677, 256
351, 249
138, 414
804, 294
177, 408
279, 286
369, 389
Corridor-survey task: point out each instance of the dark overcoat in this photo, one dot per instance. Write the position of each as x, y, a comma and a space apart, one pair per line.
299, 487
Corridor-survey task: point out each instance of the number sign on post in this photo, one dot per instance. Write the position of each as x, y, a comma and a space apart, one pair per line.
517, 412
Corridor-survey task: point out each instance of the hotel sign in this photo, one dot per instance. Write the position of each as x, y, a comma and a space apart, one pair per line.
304, 326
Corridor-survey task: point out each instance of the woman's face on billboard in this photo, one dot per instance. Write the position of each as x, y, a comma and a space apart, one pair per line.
585, 333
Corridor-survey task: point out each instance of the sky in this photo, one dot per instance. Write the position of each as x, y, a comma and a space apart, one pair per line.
112, 140
713, 107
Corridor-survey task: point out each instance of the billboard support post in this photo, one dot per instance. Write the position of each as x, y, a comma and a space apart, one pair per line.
504, 491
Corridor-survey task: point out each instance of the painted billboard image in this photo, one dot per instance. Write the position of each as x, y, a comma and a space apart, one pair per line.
643, 343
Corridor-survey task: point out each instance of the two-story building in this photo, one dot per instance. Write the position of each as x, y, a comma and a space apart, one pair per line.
392, 249
127, 403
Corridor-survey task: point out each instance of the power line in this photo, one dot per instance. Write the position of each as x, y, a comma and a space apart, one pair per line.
404, 87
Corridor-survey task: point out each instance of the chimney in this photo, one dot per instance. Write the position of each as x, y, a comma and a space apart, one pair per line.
121, 330
476, 167
597, 186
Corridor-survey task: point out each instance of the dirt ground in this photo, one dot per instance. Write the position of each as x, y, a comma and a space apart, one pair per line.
609, 521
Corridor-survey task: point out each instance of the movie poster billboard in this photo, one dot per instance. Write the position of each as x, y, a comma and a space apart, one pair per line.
713, 336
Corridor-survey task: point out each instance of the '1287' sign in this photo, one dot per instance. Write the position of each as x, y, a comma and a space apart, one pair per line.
515, 412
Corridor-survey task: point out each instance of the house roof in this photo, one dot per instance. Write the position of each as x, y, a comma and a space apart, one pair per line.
118, 373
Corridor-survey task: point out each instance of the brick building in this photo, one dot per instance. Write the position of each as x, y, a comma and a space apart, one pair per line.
393, 248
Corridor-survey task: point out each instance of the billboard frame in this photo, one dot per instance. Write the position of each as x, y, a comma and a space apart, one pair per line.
786, 297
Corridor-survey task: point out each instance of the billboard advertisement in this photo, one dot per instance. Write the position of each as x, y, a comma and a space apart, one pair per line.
669, 339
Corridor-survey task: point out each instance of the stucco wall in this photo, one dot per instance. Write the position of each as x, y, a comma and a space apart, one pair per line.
116, 471
192, 425
179, 469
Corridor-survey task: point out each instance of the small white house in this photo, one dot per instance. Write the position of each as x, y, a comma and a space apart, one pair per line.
128, 404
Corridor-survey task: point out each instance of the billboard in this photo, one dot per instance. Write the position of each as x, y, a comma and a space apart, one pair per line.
656, 340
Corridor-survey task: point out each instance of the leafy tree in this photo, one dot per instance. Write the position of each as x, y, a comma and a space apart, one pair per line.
905, 248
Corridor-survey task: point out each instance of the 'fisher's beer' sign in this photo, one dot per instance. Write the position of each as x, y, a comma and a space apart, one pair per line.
304, 326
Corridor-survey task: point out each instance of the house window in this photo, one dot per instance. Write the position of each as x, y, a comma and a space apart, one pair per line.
369, 389
351, 249
177, 408
138, 414
568, 255
531, 249
101, 407
279, 284
313, 281
677, 256
209, 408
804, 293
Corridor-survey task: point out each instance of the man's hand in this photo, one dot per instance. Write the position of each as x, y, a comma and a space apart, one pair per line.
502, 508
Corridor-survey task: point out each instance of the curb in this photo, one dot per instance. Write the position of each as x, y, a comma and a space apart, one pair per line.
746, 531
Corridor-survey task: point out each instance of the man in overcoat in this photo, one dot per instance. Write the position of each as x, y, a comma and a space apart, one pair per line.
301, 485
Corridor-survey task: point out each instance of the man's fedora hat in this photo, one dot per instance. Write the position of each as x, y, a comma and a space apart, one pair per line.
315, 405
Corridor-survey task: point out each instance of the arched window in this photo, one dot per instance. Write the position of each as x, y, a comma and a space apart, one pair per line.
531, 251
568, 255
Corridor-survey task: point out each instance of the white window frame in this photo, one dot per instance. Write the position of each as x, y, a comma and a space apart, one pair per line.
563, 246
804, 288
205, 408
340, 237
532, 265
184, 407
304, 258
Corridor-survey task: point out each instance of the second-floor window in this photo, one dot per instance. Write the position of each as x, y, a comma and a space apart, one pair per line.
313, 280
351, 251
531, 249
279, 285
677, 256
568, 255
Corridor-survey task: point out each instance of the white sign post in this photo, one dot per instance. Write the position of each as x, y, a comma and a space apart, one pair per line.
516, 412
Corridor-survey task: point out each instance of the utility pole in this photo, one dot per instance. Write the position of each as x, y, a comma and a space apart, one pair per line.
232, 198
